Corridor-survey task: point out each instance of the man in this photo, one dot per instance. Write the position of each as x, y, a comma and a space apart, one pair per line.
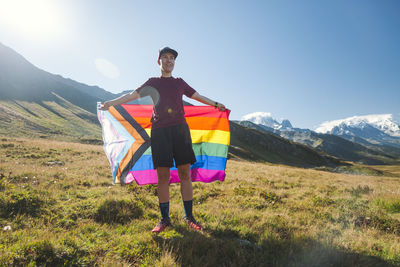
170, 135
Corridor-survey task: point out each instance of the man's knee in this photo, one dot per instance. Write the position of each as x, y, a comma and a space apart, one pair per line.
184, 172
163, 174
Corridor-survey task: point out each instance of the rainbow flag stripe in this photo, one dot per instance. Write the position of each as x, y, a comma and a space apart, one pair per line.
126, 135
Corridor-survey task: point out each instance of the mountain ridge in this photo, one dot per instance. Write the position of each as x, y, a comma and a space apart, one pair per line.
357, 146
387, 123
17, 75
374, 129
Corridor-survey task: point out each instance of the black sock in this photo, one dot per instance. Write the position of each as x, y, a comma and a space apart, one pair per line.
188, 208
164, 208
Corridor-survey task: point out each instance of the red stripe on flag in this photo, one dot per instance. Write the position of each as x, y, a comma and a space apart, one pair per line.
142, 111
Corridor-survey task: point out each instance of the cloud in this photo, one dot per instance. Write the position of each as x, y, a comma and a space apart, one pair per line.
106, 68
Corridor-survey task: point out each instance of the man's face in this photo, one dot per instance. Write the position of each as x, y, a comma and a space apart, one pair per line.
167, 62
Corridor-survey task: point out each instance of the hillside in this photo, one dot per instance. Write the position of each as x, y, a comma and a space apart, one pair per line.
342, 148
58, 208
48, 119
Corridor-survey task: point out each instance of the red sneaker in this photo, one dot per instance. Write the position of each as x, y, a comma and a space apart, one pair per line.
164, 223
193, 223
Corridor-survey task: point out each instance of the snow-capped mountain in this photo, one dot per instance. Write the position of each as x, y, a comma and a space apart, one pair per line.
265, 118
376, 129
387, 123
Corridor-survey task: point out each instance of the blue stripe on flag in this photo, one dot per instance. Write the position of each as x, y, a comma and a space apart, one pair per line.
145, 162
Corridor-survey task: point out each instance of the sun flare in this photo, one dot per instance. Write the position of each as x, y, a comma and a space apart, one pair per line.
39, 19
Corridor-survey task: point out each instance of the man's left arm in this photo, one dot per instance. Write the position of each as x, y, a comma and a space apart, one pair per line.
207, 101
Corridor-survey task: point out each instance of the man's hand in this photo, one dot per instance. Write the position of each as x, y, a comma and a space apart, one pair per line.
120, 100
106, 105
221, 107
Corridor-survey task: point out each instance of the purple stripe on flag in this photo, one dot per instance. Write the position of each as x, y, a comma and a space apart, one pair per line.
198, 175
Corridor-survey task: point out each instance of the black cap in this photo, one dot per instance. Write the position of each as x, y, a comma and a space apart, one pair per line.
167, 50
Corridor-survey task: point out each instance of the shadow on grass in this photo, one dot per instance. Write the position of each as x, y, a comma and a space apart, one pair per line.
22, 202
44, 253
226, 248
121, 211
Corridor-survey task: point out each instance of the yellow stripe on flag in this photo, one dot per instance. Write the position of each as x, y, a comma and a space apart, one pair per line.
210, 136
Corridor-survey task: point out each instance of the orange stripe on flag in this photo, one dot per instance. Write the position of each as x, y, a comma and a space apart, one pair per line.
204, 123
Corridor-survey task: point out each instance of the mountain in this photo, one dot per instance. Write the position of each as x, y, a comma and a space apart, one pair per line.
332, 145
36, 103
22, 81
261, 145
387, 123
356, 147
265, 119
370, 130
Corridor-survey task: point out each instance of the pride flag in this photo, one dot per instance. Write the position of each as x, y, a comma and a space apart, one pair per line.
126, 135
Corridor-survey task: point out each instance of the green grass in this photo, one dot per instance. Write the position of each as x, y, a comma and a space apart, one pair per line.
390, 205
58, 199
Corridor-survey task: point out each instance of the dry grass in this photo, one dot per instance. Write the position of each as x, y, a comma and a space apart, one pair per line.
62, 208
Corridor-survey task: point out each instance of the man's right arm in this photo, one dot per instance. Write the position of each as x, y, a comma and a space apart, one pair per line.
121, 100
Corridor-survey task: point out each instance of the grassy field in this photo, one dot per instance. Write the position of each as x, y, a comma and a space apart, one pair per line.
58, 207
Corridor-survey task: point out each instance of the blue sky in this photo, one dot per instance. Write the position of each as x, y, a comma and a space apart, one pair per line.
307, 61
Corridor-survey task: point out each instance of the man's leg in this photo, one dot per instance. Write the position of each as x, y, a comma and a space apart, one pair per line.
187, 195
186, 182
163, 174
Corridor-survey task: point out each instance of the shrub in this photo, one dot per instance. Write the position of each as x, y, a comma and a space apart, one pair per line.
392, 206
118, 211
380, 222
322, 201
2, 182
323, 216
43, 253
67, 223
25, 177
356, 192
244, 191
270, 197
21, 202
6, 145
144, 189
86, 184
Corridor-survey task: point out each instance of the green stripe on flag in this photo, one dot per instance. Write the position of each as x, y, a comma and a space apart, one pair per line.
209, 149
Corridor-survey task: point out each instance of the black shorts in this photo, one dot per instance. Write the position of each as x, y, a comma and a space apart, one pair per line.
172, 143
